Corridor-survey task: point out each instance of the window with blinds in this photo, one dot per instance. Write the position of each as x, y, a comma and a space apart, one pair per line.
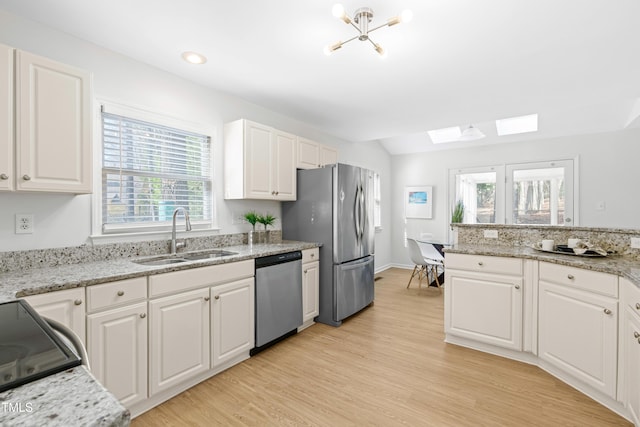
148, 170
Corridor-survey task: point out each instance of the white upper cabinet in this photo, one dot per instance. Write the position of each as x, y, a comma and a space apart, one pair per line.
313, 155
259, 162
53, 132
6, 118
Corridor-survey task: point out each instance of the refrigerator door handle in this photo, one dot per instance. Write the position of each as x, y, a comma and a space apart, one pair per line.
362, 213
357, 214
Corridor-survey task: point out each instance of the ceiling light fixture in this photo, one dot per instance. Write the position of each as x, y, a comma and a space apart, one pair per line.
471, 134
194, 58
360, 21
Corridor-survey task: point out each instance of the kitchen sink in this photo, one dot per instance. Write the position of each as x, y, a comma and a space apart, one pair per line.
184, 257
165, 260
208, 254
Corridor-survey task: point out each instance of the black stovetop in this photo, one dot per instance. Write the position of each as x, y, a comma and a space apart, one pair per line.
29, 348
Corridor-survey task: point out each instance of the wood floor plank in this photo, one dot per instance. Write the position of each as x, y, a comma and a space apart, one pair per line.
385, 366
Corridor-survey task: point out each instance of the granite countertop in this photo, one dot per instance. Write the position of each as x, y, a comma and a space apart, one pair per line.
69, 398
75, 397
612, 264
48, 279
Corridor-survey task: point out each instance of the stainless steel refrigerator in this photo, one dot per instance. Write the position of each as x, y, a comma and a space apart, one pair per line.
334, 207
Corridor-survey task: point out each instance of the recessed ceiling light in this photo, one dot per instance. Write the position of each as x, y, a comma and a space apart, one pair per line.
515, 125
194, 58
438, 136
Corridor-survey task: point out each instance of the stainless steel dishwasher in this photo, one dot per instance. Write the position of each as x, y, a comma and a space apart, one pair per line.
278, 298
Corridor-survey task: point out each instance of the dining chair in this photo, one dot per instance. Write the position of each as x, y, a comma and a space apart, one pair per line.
427, 260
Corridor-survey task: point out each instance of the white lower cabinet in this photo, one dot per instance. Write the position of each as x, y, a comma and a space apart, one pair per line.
578, 324
630, 347
117, 347
178, 338
66, 307
577, 332
232, 320
484, 306
310, 286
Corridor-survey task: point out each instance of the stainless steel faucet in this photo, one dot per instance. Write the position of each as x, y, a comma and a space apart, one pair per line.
176, 245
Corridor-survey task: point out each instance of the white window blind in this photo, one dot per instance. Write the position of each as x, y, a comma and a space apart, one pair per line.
149, 170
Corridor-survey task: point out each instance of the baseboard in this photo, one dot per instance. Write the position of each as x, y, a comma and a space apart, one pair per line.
383, 268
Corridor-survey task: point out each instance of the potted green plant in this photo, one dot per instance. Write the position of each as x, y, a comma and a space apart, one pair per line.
252, 218
457, 213
266, 220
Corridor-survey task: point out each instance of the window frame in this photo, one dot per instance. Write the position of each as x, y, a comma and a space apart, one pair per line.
504, 185
131, 230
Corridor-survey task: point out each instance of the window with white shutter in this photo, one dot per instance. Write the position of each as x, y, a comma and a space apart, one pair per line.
148, 170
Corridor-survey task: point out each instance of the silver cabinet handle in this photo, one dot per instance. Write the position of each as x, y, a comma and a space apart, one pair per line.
570, 277
143, 315
207, 298
313, 255
217, 297
636, 335
26, 177
480, 263
638, 306
607, 311
4, 176
120, 293
78, 302
305, 272
517, 286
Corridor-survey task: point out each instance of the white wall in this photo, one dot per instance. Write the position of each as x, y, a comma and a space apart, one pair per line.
63, 220
608, 171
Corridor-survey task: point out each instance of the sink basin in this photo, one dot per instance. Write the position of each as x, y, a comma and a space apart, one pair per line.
176, 259
165, 260
208, 254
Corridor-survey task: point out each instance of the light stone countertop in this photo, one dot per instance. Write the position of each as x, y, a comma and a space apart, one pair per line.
74, 397
612, 264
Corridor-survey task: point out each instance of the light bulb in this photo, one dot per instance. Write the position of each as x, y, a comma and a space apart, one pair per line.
194, 58
328, 49
338, 10
406, 16
381, 51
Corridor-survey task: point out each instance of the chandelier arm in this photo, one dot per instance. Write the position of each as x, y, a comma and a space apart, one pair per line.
355, 26
372, 42
350, 40
378, 27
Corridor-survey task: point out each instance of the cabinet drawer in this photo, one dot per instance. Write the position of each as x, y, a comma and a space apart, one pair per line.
178, 281
309, 255
631, 295
484, 264
116, 293
594, 281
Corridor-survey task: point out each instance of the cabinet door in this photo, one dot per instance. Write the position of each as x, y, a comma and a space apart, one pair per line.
308, 156
232, 320
577, 332
117, 347
631, 348
328, 155
485, 308
284, 166
53, 138
6, 117
310, 283
257, 140
66, 307
178, 338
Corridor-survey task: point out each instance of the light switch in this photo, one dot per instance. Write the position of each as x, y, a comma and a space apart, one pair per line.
600, 206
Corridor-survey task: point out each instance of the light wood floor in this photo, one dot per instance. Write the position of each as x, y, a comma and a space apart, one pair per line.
385, 366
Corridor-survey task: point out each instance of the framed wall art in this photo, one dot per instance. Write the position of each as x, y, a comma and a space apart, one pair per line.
418, 202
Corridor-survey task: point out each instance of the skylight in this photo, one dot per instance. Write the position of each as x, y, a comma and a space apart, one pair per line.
515, 125
438, 136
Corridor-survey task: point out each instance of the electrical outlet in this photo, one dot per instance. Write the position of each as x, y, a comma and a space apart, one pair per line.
635, 242
237, 218
490, 234
24, 223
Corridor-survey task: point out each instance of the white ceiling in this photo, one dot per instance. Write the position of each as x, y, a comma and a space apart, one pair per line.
574, 62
